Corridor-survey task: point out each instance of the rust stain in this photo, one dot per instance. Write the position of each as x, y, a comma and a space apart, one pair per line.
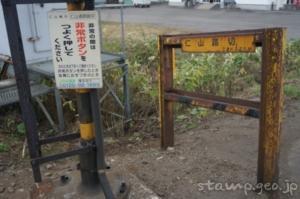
237, 109
40, 190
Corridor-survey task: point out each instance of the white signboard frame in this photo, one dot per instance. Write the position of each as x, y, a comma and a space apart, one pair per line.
75, 42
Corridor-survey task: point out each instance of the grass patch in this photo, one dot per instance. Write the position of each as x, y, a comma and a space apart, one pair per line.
292, 91
4, 147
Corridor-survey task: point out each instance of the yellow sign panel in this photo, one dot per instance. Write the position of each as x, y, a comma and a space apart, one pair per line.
224, 44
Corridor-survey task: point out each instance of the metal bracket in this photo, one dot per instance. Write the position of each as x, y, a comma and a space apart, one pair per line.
33, 39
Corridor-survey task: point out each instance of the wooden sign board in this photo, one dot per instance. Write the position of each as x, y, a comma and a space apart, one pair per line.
219, 44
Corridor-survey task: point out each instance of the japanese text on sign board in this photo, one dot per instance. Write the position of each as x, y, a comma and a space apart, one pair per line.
76, 49
244, 43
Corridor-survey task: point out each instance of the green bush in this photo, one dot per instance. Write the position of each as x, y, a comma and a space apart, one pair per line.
292, 91
219, 74
3, 147
293, 57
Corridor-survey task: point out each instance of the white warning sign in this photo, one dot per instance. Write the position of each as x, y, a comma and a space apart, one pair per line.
76, 49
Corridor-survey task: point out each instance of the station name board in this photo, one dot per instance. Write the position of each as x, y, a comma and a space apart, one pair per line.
219, 44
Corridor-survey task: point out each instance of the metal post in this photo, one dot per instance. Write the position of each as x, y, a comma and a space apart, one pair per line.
59, 109
101, 31
90, 128
47, 115
127, 110
88, 161
166, 107
98, 129
21, 73
271, 105
122, 32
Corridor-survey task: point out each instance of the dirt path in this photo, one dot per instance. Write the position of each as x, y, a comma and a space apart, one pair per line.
223, 149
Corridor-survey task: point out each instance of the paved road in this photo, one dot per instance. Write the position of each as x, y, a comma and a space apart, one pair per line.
208, 20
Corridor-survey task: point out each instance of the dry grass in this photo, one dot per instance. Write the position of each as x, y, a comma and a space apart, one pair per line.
112, 30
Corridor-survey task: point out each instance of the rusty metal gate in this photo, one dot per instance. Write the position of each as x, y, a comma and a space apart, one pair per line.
268, 110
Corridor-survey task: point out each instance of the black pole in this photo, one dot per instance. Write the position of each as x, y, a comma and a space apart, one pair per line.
23, 85
98, 129
91, 132
96, 158
88, 161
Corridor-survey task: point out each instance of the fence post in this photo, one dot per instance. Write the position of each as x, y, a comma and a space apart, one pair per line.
271, 105
166, 83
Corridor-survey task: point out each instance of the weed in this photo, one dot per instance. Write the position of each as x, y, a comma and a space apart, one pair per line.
3, 147
292, 91
293, 57
20, 131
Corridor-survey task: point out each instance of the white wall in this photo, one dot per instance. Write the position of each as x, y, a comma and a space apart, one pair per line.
280, 3
4, 48
176, 3
260, 4
255, 2
33, 22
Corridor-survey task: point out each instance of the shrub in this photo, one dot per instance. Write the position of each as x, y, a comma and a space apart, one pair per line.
4, 147
292, 91
293, 57
220, 74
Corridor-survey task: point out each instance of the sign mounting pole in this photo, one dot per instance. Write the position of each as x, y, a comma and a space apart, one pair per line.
88, 166
89, 129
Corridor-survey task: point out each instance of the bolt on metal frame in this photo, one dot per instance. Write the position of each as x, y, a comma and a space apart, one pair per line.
268, 110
